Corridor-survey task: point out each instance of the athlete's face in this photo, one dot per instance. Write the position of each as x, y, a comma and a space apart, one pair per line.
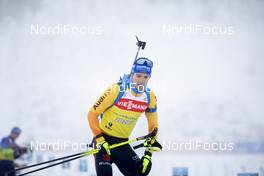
14, 136
140, 79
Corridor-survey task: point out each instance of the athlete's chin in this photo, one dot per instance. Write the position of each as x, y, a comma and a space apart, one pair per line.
140, 85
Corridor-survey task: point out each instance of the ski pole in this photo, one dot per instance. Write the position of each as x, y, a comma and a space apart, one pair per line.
91, 152
52, 165
94, 151
46, 162
83, 154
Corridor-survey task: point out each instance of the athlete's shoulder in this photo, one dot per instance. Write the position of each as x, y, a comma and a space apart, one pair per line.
106, 99
113, 89
152, 95
5, 142
152, 101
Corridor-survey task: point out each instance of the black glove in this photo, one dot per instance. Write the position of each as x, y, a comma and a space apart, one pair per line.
146, 163
102, 145
151, 145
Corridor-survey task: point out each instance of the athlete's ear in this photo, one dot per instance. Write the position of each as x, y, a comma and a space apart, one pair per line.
149, 76
131, 76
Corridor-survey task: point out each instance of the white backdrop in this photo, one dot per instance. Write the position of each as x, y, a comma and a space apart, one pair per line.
208, 86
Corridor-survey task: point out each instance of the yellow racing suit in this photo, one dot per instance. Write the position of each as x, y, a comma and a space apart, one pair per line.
120, 112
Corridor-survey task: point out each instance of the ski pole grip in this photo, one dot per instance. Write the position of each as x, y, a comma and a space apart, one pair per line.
153, 133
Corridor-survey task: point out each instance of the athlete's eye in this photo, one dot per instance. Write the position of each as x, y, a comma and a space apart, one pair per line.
138, 76
145, 77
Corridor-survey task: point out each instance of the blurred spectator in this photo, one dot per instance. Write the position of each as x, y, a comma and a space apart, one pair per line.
9, 151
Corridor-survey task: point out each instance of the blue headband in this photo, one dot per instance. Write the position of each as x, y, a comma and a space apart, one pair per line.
142, 65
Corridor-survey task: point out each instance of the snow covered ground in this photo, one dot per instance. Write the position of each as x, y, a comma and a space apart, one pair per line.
163, 163
209, 85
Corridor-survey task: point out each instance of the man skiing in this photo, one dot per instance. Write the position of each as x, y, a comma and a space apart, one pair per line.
119, 107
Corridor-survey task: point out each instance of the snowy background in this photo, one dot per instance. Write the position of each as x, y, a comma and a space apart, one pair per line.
209, 86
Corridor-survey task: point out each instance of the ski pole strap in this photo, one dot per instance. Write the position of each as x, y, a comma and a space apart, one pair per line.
138, 146
146, 143
150, 135
155, 147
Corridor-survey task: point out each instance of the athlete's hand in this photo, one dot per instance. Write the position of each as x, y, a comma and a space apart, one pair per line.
152, 136
146, 162
155, 146
151, 145
102, 145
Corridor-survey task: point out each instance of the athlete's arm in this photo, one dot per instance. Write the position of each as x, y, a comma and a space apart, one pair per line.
151, 113
101, 104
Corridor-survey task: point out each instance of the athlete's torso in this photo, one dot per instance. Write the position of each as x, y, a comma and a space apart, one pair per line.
120, 119
6, 152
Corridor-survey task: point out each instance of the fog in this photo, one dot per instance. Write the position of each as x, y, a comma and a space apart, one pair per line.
209, 85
